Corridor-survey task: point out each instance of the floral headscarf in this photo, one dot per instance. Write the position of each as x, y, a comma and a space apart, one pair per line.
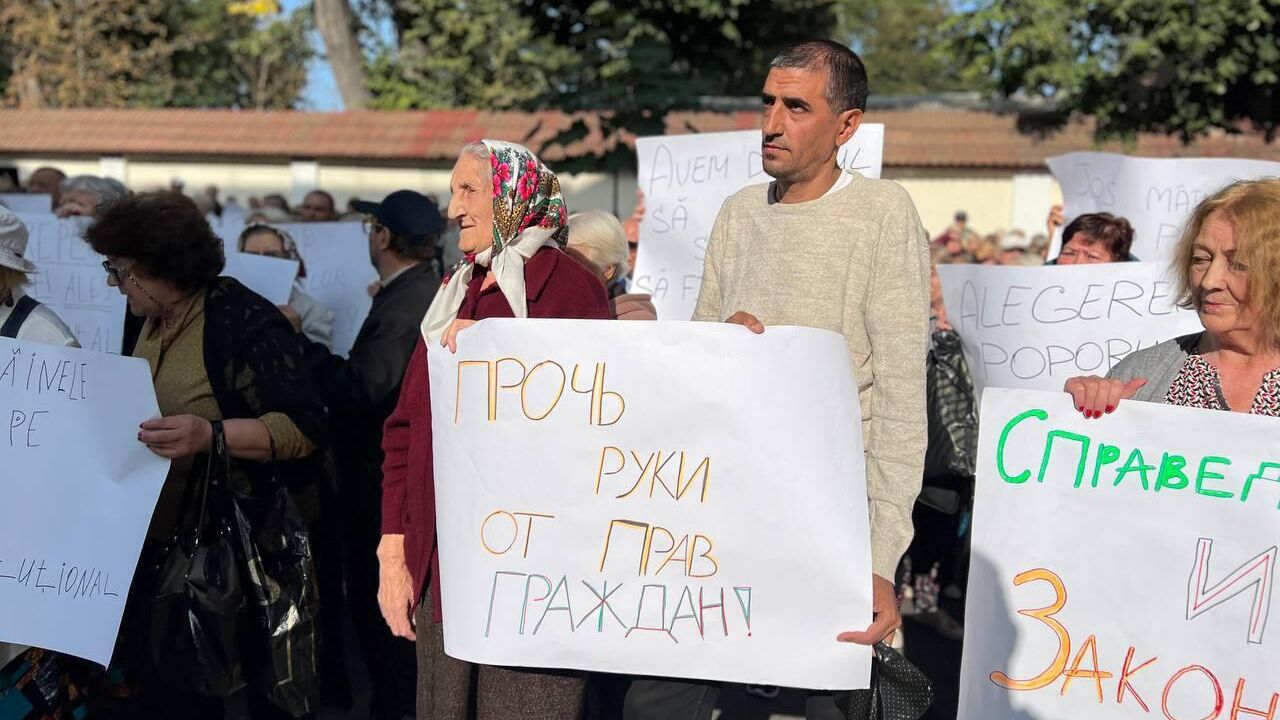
528, 213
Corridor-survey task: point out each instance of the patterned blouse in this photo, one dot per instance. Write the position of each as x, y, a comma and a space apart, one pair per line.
1199, 386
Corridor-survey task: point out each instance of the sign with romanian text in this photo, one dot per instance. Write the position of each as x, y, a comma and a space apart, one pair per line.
1122, 568
1035, 327
79, 492
668, 499
685, 179
1156, 195
69, 279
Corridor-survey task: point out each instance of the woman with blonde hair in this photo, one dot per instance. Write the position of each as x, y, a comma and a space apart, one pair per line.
1227, 265
599, 242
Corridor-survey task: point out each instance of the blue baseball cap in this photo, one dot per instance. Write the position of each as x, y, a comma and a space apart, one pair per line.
408, 214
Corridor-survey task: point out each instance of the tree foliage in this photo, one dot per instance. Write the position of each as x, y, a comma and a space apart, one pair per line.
149, 53
473, 53
1182, 68
69, 53
642, 59
638, 59
901, 43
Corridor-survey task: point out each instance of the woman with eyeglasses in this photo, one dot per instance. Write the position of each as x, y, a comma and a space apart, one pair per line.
313, 319
232, 389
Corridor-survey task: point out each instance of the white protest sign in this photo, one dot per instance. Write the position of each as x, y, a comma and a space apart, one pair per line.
71, 281
79, 492
1122, 568
602, 507
1156, 195
233, 218
23, 203
336, 258
1034, 327
270, 277
685, 179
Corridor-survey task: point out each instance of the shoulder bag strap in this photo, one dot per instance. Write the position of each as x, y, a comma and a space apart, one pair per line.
25, 305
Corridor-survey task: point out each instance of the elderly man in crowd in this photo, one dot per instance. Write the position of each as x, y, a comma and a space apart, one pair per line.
360, 392
318, 206
826, 248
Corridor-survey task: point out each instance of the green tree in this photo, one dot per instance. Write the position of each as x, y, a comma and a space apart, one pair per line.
468, 53
635, 60
901, 43
1181, 68
642, 59
71, 53
149, 53
269, 64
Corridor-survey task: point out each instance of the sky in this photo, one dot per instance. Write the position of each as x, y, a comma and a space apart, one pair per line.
321, 92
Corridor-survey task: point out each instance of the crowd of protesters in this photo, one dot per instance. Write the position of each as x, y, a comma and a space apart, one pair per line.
252, 397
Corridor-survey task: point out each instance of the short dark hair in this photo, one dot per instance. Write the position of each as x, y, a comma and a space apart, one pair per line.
326, 196
1114, 233
276, 200
165, 233
847, 87
419, 250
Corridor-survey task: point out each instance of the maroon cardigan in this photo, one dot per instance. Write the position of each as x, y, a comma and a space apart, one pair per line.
556, 287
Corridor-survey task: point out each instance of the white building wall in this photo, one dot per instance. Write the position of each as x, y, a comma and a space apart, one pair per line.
995, 200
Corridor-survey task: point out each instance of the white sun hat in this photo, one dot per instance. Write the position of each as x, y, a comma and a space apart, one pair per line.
13, 243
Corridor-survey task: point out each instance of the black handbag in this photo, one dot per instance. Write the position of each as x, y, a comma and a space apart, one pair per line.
899, 691
197, 600
952, 410
284, 643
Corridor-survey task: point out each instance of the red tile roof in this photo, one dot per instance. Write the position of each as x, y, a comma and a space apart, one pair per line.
913, 138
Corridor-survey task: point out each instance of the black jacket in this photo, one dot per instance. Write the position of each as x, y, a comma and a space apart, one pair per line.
361, 390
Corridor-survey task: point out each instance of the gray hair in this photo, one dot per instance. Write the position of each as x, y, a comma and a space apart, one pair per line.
846, 75
599, 236
105, 189
478, 149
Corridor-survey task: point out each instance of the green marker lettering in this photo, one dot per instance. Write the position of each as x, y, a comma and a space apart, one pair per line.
1004, 437
1048, 450
1204, 473
1263, 469
1171, 475
1135, 463
1107, 454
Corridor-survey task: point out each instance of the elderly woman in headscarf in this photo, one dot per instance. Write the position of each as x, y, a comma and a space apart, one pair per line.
308, 316
513, 228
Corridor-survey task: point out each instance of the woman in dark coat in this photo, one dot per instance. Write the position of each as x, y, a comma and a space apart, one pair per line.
232, 393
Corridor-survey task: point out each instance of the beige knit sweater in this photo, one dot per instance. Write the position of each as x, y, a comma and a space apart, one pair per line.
855, 261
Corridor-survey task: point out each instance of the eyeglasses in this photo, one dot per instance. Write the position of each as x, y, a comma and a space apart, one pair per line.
370, 224
117, 273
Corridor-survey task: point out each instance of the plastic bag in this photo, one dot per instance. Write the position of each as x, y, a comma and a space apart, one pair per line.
284, 602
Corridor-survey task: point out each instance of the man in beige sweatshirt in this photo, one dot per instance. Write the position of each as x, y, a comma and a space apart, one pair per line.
826, 248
